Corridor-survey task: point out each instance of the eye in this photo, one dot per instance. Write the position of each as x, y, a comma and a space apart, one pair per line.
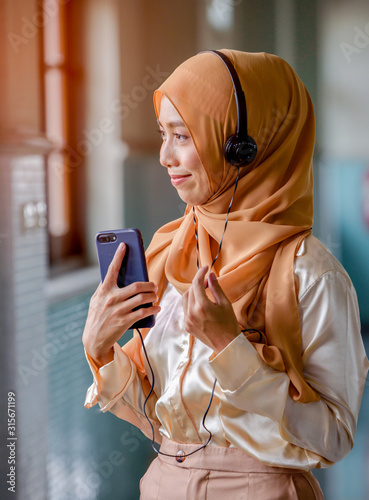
181, 137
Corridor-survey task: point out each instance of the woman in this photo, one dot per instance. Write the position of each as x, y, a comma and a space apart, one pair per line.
269, 320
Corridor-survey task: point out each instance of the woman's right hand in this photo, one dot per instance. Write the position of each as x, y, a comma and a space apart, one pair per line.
111, 313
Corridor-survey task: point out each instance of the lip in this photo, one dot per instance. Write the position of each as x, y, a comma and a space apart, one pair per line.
176, 180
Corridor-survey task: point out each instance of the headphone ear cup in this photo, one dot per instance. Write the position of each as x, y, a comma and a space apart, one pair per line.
240, 152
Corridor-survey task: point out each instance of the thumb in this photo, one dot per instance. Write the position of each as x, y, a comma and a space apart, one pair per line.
216, 289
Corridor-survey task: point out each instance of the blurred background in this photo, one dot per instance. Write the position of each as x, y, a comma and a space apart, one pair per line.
79, 154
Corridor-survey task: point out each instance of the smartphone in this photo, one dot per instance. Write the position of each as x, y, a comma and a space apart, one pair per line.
133, 267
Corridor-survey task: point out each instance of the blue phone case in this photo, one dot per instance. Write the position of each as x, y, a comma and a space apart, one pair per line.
133, 267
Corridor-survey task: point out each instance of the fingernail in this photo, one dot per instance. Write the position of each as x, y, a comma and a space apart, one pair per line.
121, 246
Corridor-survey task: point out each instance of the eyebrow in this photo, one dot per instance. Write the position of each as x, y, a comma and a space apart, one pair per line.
178, 123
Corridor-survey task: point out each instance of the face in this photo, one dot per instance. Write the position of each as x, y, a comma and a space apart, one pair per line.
178, 154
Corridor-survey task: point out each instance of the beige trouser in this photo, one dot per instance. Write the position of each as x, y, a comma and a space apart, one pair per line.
217, 473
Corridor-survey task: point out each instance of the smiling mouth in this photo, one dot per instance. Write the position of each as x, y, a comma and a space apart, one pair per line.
176, 180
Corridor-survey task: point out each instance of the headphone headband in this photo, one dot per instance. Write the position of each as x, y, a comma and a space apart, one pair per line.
238, 93
240, 149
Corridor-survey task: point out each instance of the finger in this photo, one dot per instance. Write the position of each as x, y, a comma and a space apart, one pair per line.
198, 283
141, 313
140, 300
137, 288
216, 289
193, 300
200, 275
114, 267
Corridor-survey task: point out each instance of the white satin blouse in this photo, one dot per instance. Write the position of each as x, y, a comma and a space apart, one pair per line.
251, 408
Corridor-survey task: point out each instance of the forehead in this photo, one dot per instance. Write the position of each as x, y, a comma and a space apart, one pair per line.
168, 114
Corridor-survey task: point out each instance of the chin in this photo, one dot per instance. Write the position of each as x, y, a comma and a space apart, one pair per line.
192, 200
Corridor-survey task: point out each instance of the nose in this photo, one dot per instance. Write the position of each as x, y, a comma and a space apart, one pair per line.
168, 157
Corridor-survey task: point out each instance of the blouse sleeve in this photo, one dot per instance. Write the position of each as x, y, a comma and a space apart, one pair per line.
334, 364
117, 388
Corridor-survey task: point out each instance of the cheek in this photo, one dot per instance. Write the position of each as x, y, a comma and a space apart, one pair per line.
199, 174
202, 178
196, 166
205, 182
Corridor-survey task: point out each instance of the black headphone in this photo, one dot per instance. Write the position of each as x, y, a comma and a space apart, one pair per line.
239, 149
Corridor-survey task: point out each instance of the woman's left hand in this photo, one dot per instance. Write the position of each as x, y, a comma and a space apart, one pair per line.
214, 323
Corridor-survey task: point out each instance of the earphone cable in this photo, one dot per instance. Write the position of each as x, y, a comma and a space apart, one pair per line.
197, 238
226, 222
148, 419
225, 226
147, 357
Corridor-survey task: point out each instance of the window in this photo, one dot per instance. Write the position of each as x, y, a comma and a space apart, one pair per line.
62, 79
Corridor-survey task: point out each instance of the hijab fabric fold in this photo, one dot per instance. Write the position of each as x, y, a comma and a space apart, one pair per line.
272, 211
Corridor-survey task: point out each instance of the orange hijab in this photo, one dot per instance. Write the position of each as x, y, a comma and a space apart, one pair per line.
273, 207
